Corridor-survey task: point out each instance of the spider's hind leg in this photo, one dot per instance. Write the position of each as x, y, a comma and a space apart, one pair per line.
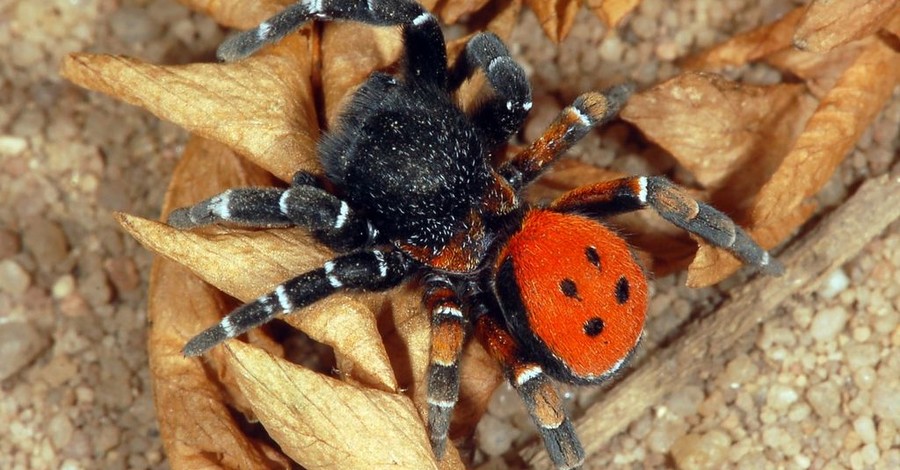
536, 389
448, 334
673, 204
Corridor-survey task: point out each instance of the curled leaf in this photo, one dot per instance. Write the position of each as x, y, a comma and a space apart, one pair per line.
750, 46
237, 13
556, 16
829, 134
321, 422
611, 12
730, 136
197, 422
827, 24
261, 107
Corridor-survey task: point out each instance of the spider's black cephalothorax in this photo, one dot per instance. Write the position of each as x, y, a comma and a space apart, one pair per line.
549, 291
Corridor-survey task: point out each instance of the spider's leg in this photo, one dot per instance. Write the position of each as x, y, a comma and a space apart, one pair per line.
378, 269
673, 204
331, 220
501, 116
448, 333
540, 397
426, 55
574, 122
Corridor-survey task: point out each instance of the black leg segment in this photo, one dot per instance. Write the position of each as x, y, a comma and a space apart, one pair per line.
426, 56
501, 116
366, 270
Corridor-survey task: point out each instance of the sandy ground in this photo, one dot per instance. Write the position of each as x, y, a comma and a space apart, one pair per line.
817, 387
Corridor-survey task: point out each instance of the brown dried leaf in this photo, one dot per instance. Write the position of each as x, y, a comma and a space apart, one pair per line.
828, 24
556, 16
829, 134
222, 258
611, 12
749, 46
196, 424
261, 107
453, 10
730, 136
237, 13
322, 422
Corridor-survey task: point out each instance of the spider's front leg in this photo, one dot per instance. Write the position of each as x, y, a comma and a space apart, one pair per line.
673, 204
573, 123
498, 118
426, 56
331, 220
537, 391
378, 269
448, 334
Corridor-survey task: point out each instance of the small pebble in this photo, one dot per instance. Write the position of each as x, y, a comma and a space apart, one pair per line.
834, 284
13, 278
825, 398
20, 343
495, 436
828, 323
780, 397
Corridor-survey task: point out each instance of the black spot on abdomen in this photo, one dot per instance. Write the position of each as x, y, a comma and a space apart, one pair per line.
593, 327
622, 290
569, 289
593, 257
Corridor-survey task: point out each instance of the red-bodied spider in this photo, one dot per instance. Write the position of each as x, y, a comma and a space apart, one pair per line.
550, 291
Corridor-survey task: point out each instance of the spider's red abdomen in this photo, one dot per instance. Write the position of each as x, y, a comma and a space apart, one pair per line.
572, 288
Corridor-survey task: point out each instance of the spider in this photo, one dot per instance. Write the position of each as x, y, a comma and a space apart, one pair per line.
409, 191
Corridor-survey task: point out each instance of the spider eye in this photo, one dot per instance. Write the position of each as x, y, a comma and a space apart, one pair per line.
593, 327
622, 290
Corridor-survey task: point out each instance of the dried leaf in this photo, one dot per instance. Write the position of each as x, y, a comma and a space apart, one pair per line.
261, 107
237, 13
321, 422
819, 71
730, 136
828, 24
453, 10
749, 46
829, 134
197, 426
222, 258
611, 12
556, 16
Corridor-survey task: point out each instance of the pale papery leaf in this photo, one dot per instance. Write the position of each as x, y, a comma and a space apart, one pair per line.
247, 264
750, 46
453, 10
555, 16
819, 71
828, 136
195, 414
196, 424
730, 136
611, 12
350, 52
321, 422
240, 14
262, 107
827, 24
